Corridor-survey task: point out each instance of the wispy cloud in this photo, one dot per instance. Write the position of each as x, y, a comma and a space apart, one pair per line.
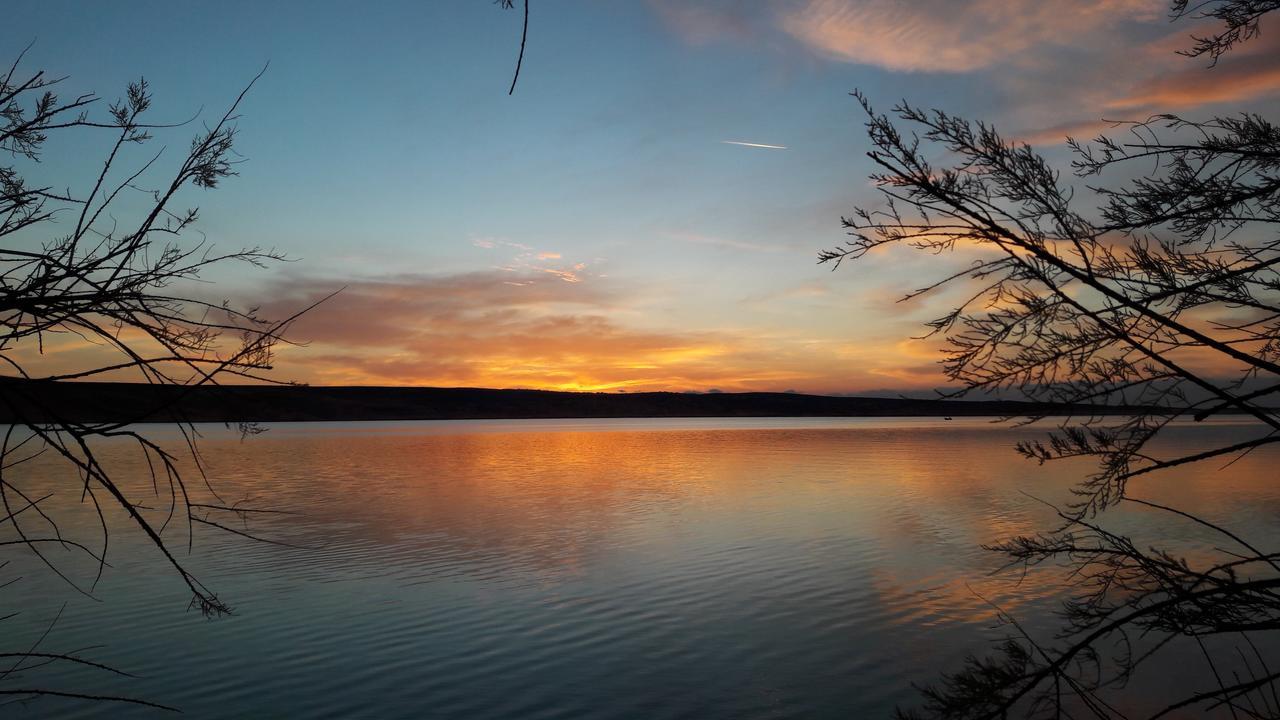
569, 276
1058, 134
708, 20
951, 36
530, 329
1250, 74
528, 259
753, 145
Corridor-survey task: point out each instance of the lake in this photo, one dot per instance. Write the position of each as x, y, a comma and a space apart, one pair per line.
708, 568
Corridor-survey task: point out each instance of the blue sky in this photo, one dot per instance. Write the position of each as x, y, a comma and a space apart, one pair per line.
594, 230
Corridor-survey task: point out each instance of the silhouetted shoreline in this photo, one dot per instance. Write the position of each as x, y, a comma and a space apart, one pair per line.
37, 401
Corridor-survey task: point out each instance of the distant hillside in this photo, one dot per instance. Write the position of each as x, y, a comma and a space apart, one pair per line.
120, 402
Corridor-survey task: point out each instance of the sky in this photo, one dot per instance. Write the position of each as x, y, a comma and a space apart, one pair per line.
643, 213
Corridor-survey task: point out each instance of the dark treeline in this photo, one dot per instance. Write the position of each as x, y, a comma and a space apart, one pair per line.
85, 402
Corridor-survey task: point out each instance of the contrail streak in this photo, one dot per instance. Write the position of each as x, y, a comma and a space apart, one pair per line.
757, 145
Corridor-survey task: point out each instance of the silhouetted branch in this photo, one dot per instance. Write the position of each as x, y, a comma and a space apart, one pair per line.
524, 38
123, 287
1241, 20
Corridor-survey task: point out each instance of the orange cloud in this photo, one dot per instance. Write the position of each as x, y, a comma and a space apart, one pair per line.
949, 36
1252, 71
521, 328
1249, 73
529, 329
1058, 134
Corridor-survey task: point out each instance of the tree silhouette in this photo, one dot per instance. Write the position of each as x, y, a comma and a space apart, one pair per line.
1170, 273
73, 266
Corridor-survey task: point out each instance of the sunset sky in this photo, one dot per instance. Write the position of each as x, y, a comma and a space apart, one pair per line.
644, 213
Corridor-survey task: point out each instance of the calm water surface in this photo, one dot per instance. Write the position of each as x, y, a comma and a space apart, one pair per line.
760, 568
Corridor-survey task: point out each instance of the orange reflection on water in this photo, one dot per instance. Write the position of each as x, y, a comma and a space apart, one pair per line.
823, 558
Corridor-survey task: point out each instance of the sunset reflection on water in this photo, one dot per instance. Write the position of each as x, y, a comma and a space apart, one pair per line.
659, 568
